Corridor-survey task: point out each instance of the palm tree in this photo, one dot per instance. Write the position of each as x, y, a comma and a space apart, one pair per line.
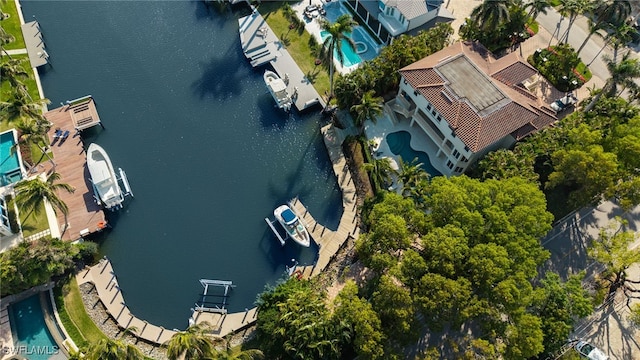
230, 353
571, 9
369, 108
31, 193
107, 349
609, 14
20, 105
380, 171
623, 73
536, 7
491, 14
333, 43
5, 38
33, 132
620, 36
410, 174
193, 343
11, 70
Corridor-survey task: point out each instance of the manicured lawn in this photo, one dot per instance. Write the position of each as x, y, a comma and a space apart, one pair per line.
30, 82
68, 324
297, 44
87, 331
12, 25
32, 222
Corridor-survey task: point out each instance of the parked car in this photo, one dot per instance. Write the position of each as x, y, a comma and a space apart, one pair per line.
589, 351
564, 102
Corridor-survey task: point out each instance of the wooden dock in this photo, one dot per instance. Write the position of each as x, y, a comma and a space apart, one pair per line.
85, 215
331, 241
261, 46
105, 281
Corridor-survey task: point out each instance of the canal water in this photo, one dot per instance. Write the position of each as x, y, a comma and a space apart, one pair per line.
207, 154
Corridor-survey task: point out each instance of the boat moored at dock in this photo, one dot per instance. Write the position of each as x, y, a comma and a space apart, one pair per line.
278, 89
105, 180
292, 225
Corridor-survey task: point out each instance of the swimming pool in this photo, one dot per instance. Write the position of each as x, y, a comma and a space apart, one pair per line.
367, 47
9, 159
400, 144
32, 339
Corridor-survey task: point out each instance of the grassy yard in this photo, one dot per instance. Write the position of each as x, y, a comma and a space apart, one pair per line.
298, 43
30, 82
12, 25
75, 319
32, 222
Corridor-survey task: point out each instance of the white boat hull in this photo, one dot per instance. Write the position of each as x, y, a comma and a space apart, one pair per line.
292, 225
103, 178
278, 90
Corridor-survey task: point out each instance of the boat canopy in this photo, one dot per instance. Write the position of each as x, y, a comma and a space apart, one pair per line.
289, 217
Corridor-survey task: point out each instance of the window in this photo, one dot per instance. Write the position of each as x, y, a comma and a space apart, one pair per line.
464, 159
449, 164
405, 81
381, 5
458, 169
429, 107
439, 118
415, 92
390, 11
401, 18
466, 149
433, 112
456, 153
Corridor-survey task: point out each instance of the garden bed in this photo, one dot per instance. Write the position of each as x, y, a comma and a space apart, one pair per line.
561, 66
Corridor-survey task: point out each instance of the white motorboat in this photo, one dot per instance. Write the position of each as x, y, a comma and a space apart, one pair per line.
293, 226
103, 178
278, 90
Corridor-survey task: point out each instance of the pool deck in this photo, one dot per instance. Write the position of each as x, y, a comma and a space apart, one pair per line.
260, 45
70, 162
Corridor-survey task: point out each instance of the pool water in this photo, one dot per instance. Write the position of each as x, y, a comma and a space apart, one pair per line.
359, 35
349, 56
400, 144
31, 336
9, 162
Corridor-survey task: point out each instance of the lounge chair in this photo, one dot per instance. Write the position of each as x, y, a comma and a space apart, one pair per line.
65, 135
57, 134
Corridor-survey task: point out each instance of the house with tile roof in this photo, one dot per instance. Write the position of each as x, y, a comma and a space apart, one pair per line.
391, 18
468, 103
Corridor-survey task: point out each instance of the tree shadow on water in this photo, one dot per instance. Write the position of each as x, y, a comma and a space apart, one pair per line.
218, 80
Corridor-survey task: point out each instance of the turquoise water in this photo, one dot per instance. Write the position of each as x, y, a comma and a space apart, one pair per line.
8, 160
206, 152
400, 144
32, 338
349, 56
334, 9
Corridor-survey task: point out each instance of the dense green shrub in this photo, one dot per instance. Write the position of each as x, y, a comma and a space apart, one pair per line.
561, 66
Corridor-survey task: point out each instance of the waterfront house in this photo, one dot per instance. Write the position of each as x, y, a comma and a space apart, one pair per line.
468, 103
391, 18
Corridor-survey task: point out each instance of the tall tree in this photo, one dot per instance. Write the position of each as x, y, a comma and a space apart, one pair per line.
30, 193
108, 349
369, 108
12, 71
380, 171
19, 105
33, 132
333, 42
571, 9
193, 343
491, 14
612, 249
607, 15
537, 7
5, 38
624, 73
410, 174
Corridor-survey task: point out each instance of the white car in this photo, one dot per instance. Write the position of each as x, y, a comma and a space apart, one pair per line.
589, 351
564, 102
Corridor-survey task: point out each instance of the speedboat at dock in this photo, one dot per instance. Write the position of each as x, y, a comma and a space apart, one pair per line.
278, 89
292, 225
105, 180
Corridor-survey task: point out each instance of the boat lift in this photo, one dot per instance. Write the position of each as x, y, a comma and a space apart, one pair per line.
214, 306
121, 177
276, 232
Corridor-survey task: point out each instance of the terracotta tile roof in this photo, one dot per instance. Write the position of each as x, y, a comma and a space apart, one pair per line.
476, 120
